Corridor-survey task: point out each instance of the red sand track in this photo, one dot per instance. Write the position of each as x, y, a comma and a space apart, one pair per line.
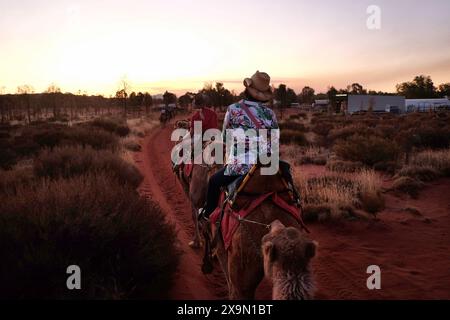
413, 252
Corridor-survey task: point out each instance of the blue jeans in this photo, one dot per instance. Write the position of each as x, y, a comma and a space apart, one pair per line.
217, 180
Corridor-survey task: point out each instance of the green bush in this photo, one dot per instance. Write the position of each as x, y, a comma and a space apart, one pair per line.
368, 150
122, 242
67, 162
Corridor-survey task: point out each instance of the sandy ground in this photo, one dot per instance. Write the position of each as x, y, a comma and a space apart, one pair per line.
412, 251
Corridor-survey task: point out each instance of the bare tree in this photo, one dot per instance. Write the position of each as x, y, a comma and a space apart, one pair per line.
25, 91
122, 93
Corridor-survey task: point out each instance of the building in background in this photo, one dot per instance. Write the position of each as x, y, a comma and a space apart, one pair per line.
375, 103
422, 105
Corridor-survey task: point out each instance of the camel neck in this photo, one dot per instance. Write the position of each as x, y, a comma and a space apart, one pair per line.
293, 286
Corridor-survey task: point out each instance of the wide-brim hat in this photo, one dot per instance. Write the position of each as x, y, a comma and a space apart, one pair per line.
258, 86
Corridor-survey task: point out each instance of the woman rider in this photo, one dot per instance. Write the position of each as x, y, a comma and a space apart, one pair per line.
242, 115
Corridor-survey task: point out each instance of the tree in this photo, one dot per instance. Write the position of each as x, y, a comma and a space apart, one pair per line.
444, 89
53, 88
122, 93
331, 93
53, 92
24, 91
307, 95
421, 87
185, 100
148, 102
356, 88
291, 97
169, 97
281, 97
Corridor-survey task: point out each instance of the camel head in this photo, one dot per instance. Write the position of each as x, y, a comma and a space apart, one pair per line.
287, 254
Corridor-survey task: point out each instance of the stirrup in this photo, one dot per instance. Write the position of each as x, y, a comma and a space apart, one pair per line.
201, 215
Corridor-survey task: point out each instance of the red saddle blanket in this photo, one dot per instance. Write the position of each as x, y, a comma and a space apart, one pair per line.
230, 218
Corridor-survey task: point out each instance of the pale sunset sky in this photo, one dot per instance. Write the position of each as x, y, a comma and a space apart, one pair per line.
181, 44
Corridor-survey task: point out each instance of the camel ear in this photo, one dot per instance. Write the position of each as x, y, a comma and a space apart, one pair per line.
270, 251
310, 250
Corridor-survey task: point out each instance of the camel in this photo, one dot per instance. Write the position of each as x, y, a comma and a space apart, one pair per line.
282, 254
195, 188
286, 255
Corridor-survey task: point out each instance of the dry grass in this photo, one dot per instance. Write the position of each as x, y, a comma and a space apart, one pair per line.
141, 126
436, 159
344, 166
304, 155
336, 195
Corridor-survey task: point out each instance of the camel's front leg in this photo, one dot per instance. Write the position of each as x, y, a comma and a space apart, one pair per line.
195, 243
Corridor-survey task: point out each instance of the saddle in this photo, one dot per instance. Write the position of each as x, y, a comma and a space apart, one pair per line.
253, 184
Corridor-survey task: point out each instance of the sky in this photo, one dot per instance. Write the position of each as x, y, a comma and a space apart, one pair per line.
180, 45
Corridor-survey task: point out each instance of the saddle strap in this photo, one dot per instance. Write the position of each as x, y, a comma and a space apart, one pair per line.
250, 115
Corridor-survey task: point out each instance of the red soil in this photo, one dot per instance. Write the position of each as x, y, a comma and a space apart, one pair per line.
412, 251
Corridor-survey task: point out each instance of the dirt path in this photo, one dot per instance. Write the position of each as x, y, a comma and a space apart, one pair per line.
160, 184
412, 251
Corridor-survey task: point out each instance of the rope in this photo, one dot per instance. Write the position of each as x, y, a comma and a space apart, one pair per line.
267, 226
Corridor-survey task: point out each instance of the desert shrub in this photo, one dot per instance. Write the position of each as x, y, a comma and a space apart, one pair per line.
95, 138
67, 162
314, 212
4, 135
294, 117
338, 195
8, 158
292, 125
48, 136
24, 146
121, 241
369, 185
407, 185
436, 159
419, 173
344, 166
116, 126
293, 137
372, 202
432, 137
385, 130
368, 150
322, 128
389, 167
305, 155
132, 146
10, 180
348, 131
